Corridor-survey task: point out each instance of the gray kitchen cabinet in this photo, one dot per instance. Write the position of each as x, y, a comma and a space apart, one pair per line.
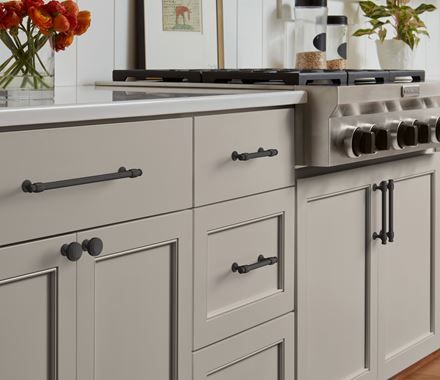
37, 311
367, 310
226, 301
217, 177
56, 154
135, 301
263, 353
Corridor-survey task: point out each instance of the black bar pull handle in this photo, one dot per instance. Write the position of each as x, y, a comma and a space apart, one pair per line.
382, 235
390, 232
262, 262
251, 156
38, 187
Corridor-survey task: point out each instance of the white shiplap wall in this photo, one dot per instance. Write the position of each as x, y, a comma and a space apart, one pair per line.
254, 37
108, 44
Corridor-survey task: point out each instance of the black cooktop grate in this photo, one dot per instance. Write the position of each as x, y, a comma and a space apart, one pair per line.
275, 76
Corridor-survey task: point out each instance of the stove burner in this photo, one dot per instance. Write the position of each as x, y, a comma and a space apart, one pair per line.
275, 76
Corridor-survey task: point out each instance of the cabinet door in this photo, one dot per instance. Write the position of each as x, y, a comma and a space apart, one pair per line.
37, 312
408, 269
262, 353
134, 301
227, 302
336, 278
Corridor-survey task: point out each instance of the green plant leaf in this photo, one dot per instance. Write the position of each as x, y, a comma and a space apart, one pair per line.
425, 8
363, 32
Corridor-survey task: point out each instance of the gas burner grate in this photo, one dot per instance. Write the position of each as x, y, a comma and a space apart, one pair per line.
275, 76
359, 77
193, 76
282, 76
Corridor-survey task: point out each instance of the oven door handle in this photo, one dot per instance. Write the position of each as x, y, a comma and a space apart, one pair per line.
390, 232
382, 235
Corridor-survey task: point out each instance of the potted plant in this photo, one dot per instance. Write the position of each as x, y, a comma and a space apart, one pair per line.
406, 25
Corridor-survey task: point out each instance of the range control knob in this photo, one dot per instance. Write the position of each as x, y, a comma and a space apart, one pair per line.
364, 142
434, 124
383, 138
407, 134
423, 131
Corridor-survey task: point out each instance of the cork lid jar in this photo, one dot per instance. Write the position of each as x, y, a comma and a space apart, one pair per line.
310, 34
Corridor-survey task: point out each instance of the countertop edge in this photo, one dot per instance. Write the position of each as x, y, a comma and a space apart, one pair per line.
142, 108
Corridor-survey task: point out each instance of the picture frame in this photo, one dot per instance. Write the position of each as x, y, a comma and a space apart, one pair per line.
179, 34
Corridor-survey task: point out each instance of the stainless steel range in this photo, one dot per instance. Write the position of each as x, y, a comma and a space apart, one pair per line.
351, 115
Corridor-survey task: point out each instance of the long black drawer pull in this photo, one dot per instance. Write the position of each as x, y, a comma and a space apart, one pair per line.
382, 235
39, 187
262, 262
250, 156
390, 232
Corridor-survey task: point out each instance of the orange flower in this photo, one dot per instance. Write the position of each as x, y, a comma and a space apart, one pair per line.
61, 23
63, 40
54, 8
84, 21
41, 18
71, 7
10, 20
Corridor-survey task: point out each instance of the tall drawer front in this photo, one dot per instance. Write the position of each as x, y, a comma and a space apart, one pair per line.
252, 235
263, 353
218, 177
161, 149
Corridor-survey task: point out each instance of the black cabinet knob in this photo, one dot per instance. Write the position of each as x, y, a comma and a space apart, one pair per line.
364, 142
93, 246
72, 251
424, 132
383, 138
407, 135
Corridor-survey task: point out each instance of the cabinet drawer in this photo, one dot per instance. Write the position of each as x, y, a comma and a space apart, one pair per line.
76, 152
239, 231
218, 177
263, 353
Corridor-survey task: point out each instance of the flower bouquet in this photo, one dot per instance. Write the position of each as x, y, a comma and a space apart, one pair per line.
31, 30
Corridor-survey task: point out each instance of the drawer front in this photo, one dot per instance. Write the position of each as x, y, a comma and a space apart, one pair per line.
229, 239
263, 353
218, 177
162, 149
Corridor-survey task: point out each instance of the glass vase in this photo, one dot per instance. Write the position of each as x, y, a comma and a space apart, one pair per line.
27, 69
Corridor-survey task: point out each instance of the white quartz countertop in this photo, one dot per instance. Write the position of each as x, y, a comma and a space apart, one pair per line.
88, 103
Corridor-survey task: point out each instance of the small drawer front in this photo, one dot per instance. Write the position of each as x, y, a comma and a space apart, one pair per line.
263, 353
161, 149
244, 253
220, 175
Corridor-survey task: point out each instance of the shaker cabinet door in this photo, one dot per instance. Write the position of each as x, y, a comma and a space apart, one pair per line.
408, 269
336, 278
134, 301
37, 312
263, 353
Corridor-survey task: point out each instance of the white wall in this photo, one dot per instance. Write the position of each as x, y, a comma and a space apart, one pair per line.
108, 44
254, 38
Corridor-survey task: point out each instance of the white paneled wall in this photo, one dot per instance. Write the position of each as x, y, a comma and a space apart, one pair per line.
254, 37
108, 44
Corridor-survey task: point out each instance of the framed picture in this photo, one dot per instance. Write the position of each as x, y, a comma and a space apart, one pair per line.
180, 34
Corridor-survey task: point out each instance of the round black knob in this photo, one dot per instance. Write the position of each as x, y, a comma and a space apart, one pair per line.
437, 129
93, 246
364, 142
424, 132
72, 251
407, 135
383, 138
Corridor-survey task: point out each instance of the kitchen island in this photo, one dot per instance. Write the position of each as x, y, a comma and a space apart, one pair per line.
168, 232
